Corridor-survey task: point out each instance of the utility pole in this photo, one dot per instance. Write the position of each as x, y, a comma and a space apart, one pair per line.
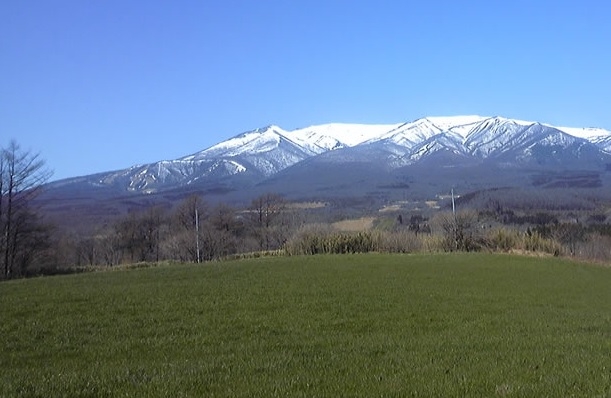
455, 221
453, 205
197, 234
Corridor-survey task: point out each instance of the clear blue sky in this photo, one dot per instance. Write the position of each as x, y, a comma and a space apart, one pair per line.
105, 84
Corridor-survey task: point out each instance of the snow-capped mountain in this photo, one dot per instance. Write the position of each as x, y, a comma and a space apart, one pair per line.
257, 155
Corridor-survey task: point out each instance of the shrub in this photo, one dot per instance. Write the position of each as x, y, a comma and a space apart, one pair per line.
431, 243
315, 239
321, 239
401, 241
536, 243
595, 247
503, 240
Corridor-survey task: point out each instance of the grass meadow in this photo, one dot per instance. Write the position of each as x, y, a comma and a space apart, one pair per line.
451, 325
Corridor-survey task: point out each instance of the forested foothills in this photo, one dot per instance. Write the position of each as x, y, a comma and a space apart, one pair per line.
556, 222
192, 231
197, 231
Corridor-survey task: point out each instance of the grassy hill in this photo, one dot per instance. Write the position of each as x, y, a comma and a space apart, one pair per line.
353, 325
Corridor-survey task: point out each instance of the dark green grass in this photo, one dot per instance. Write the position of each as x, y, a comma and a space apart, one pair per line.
362, 325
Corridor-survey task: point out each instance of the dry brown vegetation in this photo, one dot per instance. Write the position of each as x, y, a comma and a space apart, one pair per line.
355, 225
196, 231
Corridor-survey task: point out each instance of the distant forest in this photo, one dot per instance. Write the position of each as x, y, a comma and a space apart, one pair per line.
544, 221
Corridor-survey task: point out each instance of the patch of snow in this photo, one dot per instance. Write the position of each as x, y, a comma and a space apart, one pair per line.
345, 133
588, 133
237, 168
271, 149
461, 125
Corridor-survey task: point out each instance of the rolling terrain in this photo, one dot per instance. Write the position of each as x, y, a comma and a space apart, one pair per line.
376, 164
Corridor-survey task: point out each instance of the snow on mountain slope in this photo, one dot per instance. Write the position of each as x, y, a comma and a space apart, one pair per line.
421, 130
343, 133
263, 152
461, 125
495, 135
447, 141
603, 142
479, 135
311, 140
253, 142
588, 133
410, 134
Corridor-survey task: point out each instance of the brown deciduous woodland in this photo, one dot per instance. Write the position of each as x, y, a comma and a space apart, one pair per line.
193, 229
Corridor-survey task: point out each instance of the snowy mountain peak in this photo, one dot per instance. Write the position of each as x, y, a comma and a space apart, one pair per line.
256, 141
472, 130
263, 152
344, 133
271, 148
456, 124
588, 133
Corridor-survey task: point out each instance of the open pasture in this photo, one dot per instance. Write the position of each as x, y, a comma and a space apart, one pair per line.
353, 325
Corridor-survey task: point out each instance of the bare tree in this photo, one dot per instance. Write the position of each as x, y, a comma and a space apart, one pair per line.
459, 230
152, 226
227, 228
129, 237
570, 235
87, 251
140, 234
188, 228
266, 220
22, 173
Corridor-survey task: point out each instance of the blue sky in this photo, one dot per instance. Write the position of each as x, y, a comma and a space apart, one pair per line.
102, 85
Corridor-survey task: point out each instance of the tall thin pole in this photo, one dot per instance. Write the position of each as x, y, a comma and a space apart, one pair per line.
197, 234
455, 227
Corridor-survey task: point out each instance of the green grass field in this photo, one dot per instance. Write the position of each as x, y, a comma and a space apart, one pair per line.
355, 325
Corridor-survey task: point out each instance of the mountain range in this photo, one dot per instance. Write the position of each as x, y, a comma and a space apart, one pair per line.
347, 160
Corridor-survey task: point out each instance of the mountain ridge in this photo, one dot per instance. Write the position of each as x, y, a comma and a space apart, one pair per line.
253, 156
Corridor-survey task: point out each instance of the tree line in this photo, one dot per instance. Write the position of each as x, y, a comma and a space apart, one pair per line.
197, 231
192, 231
